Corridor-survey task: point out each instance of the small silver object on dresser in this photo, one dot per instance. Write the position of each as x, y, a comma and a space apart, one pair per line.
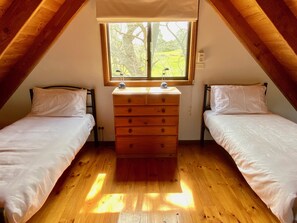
122, 84
164, 84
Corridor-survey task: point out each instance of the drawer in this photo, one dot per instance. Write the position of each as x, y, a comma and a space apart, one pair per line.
147, 130
163, 99
145, 110
146, 121
129, 99
146, 145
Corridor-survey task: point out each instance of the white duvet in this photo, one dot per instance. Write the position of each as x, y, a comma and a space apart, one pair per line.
34, 152
264, 147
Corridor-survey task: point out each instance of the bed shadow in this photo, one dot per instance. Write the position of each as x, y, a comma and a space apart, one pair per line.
147, 169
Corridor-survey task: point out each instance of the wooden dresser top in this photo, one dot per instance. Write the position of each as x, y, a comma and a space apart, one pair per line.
146, 90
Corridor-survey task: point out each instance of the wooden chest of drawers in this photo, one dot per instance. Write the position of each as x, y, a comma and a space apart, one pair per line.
146, 121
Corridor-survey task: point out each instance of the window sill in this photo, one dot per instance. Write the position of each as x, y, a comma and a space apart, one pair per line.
149, 83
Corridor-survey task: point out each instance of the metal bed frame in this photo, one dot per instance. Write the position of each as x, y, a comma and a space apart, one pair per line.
206, 106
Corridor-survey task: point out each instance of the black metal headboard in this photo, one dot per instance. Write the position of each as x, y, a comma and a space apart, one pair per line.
206, 106
91, 103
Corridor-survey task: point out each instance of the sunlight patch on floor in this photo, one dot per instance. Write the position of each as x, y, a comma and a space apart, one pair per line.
97, 186
110, 203
97, 202
184, 199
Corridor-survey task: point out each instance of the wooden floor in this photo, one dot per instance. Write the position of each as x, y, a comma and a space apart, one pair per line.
200, 185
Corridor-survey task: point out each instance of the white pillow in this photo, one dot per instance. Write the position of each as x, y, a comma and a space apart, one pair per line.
238, 99
58, 102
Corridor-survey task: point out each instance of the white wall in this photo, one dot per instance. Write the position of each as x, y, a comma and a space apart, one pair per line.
75, 59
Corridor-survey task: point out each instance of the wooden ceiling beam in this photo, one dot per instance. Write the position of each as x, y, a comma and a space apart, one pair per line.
25, 65
258, 49
282, 18
14, 19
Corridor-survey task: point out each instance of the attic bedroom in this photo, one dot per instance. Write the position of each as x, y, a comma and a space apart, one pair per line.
242, 43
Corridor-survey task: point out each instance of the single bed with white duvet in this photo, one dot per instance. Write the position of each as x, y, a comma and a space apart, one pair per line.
30, 168
36, 150
262, 144
264, 148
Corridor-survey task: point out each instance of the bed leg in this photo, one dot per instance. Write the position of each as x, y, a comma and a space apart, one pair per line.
96, 140
202, 133
3, 219
204, 108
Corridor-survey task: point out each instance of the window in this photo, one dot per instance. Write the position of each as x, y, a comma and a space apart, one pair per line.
147, 52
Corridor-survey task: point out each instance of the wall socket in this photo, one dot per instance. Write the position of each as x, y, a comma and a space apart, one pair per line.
201, 56
200, 65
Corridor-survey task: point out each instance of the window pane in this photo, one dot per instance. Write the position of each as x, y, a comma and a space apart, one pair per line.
169, 49
128, 42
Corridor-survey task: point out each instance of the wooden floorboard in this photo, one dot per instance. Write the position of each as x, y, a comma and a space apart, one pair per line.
200, 185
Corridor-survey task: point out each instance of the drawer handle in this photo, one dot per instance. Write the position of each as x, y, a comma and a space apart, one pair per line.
162, 145
163, 110
162, 130
130, 120
130, 145
130, 110
129, 100
130, 130
163, 100
163, 120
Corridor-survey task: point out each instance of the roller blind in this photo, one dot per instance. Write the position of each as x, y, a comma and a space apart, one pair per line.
146, 10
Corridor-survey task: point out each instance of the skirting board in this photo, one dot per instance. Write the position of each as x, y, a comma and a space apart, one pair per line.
180, 142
